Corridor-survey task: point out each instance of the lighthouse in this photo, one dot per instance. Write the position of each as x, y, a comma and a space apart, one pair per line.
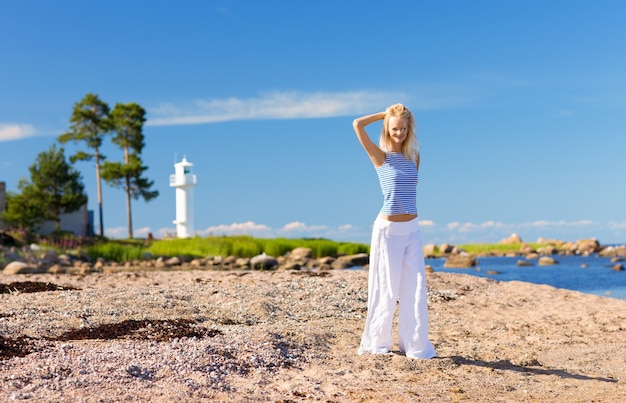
184, 181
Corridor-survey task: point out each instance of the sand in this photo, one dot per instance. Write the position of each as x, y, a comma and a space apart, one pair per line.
291, 336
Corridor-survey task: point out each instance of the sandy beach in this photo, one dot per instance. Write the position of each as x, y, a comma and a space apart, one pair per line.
291, 336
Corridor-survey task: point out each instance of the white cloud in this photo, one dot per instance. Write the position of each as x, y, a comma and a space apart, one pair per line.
244, 228
294, 226
15, 131
142, 232
274, 105
303, 228
427, 223
562, 223
617, 225
117, 232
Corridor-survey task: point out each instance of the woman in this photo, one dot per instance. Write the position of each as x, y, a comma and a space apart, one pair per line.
396, 272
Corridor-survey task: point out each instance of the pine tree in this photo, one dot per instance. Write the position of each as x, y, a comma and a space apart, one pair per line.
54, 188
127, 122
90, 123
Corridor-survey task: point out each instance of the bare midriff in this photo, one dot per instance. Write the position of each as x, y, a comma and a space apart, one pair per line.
398, 217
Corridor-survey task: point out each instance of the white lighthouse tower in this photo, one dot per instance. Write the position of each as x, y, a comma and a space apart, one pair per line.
184, 181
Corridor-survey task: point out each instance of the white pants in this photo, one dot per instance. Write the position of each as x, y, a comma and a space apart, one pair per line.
396, 273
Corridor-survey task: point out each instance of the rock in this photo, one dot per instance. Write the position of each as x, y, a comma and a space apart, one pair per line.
196, 263
242, 262
445, 248
547, 261
50, 256
460, 261
526, 249
263, 262
299, 253
344, 262
174, 261
513, 239
429, 269
17, 267
618, 267
57, 269
524, 263
291, 266
429, 249
587, 246
161, 263
547, 250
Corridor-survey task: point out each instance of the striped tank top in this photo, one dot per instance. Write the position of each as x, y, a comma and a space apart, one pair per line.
398, 182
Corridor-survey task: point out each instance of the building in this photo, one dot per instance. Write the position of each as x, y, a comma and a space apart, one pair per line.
79, 222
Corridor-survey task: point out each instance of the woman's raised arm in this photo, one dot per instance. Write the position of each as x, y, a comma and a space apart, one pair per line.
373, 151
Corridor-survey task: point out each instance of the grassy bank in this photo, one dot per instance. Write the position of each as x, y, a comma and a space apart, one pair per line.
479, 249
241, 246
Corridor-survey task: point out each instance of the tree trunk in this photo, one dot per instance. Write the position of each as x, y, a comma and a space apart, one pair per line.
128, 214
99, 183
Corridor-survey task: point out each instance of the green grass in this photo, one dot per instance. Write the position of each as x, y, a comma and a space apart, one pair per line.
485, 248
241, 246
116, 251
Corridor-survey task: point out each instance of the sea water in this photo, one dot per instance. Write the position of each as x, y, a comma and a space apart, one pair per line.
587, 274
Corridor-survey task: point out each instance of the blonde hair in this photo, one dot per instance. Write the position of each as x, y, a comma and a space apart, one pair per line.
410, 145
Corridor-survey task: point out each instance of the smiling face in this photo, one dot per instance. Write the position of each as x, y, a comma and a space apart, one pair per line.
398, 130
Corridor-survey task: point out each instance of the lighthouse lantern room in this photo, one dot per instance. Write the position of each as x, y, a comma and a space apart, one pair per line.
184, 181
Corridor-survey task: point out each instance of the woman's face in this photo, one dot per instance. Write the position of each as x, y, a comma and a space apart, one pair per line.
398, 130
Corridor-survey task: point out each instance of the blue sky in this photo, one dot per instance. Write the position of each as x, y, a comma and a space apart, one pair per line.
520, 105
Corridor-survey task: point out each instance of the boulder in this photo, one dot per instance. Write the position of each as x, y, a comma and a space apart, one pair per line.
585, 246
57, 269
242, 262
524, 263
263, 262
50, 256
547, 261
513, 239
345, 262
196, 263
429, 249
460, 261
17, 267
299, 254
618, 267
